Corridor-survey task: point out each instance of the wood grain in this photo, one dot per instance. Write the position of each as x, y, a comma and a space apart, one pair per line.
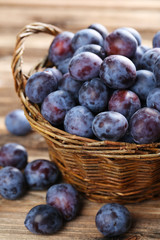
68, 15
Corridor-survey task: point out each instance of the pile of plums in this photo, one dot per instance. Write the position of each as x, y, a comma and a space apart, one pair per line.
102, 85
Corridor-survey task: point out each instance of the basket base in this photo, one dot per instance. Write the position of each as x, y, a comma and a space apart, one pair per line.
98, 191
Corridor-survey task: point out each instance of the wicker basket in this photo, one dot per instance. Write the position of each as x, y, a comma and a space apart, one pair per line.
104, 171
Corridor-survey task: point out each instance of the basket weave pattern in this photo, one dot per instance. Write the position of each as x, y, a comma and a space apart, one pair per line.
103, 170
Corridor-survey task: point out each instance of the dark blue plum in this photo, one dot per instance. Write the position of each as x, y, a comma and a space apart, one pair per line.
120, 42
55, 106
63, 65
85, 66
61, 47
153, 99
125, 102
145, 81
41, 174
135, 33
113, 219
99, 28
93, 94
149, 58
109, 125
136, 59
86, 36
145, 125
43, 219
17, 123
118, 72
13, 154
56, 73
156, 71
69, 84
78, 121
65, 198
39, 85
12, 183
156, 40
96, 49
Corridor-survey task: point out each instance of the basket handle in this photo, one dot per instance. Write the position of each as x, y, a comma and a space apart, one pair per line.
17, 60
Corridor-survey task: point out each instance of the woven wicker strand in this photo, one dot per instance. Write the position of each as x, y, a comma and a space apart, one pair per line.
103, 171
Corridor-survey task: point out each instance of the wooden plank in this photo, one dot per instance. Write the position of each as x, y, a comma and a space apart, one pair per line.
117, 15
143, 4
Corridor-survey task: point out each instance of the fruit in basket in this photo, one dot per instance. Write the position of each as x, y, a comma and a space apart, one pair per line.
156, 40
61, 47
56, 73
78, 121
93, 94
99, 28
120, 42
12, 183
156, 71
55, 106
13, 154
41, 174
109, 125
43, 219
136, 59
145, 125
134, 32
16, 123
86, 36
113, 219
85, 66
65, 198
69, 84
125, 102
63, 66
118, 72
144, 83
39, 85
93, 48
153, 99
149, 58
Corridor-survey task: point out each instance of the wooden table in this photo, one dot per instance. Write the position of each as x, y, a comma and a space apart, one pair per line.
144, 15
